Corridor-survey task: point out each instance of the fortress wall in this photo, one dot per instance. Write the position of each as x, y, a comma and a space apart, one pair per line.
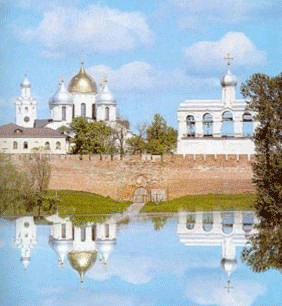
178, 175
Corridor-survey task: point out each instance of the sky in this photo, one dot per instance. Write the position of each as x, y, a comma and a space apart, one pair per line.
155, 53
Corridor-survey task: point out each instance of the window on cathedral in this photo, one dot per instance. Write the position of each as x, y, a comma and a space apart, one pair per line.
93, 111
25, 145
15, 145
83, 110
207, 125
64, 113
93, 232
107, 113
26, 109
58, 145
83, 233
247, 125
47, 145
73, 110
107, 230
190, 124
63, 231
227, 129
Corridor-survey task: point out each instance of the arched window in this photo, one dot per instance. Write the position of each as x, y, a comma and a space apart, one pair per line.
247, 125
94, 232
207, 125
227, 124
83, 110
63, 230
107, 230
15, 145
73, 110
64, 113
47, 145
58, 145
190, 124
207, 222
227, 222
83, 233
107, 113
94, 111
190, 222
25, 145
248, 222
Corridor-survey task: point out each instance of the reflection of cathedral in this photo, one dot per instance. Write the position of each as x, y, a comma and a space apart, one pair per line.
226, 229
82, 246
25, 238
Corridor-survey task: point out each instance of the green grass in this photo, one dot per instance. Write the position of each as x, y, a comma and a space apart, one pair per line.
242, 201
85, 203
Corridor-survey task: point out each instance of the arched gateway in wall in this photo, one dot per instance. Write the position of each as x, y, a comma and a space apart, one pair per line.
140, 195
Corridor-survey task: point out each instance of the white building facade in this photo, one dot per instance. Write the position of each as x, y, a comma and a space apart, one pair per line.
223, 126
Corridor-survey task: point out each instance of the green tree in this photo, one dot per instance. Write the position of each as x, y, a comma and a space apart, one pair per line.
265, 247
13, 186
265, 95
137, 143
161, 138
90, 137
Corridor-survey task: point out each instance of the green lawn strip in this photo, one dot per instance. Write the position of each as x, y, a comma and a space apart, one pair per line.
86, 203
242, 201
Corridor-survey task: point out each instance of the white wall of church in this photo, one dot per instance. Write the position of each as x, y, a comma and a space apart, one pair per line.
29, 145
88, 99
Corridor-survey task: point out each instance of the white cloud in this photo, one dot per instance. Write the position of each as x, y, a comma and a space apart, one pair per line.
209, 289
209, 55
197, 13
140, 76
97, 28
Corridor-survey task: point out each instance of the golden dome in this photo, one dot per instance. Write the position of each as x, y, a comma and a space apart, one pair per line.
82, 82
82, 261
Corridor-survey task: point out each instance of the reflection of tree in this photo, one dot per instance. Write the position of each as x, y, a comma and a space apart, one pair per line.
159, 222
264, 250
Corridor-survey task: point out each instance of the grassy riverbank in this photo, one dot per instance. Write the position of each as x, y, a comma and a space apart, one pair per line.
83, 203
242, 201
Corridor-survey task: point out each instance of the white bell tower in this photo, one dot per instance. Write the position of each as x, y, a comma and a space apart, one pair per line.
26, 106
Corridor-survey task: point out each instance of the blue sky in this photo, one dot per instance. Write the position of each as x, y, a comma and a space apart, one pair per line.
155, 53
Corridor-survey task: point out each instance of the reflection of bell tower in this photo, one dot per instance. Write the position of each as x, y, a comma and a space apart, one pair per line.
25, 238
227, 229
26, 106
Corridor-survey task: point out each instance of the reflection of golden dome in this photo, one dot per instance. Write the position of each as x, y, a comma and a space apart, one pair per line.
82, 82
82, 261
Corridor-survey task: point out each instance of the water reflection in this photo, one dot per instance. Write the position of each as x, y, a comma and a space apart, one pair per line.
188, 259
227, 230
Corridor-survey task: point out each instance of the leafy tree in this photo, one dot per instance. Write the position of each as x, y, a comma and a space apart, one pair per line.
137, 143
13, 185
265, 94
264, 248
159, 223
90, 137
161, 138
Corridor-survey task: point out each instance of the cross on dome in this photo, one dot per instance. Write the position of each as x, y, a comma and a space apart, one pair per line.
228, 59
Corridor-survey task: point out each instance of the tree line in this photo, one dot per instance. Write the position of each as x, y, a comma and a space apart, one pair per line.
95, 137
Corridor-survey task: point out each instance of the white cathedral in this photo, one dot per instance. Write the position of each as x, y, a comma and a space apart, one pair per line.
81, 98
222, 126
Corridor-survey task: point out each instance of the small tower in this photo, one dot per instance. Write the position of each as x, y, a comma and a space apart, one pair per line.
26, 106
25, 238
106, 104
61, 104
228, 84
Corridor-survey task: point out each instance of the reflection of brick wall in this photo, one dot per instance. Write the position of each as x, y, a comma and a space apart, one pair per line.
177, 175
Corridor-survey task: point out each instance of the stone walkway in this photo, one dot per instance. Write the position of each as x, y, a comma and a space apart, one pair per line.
131, 212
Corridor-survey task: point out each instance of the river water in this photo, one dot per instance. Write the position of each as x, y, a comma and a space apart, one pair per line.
180, 259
